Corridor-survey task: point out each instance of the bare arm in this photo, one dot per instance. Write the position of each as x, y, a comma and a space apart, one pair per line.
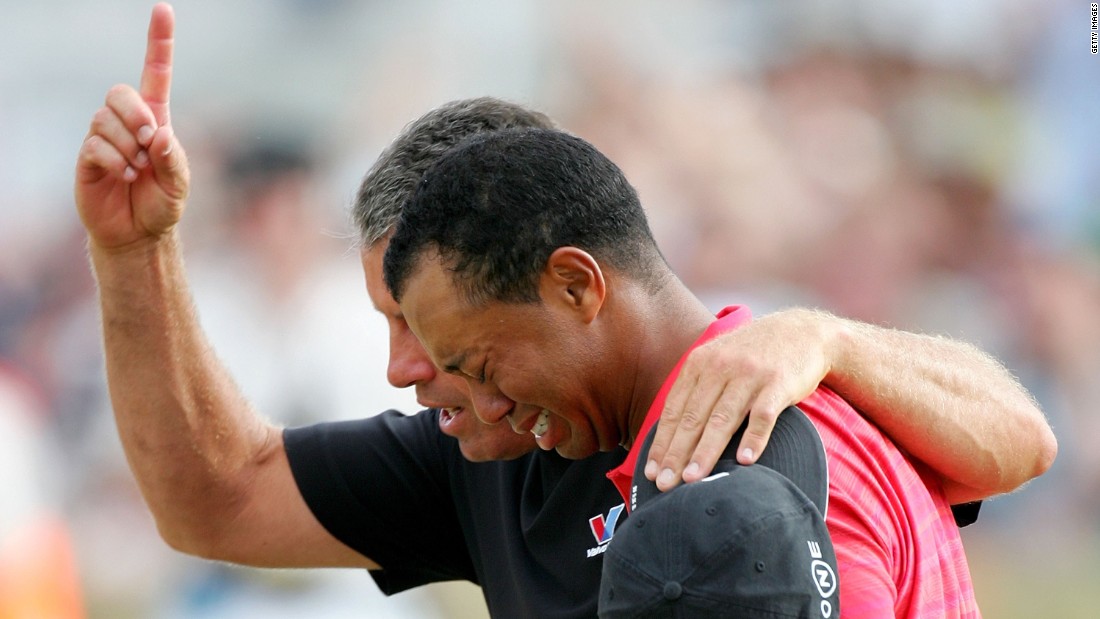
945, 402
213, 473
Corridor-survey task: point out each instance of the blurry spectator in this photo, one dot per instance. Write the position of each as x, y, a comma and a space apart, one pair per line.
38, 570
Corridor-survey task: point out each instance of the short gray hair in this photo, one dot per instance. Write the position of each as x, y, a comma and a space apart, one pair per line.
393, 178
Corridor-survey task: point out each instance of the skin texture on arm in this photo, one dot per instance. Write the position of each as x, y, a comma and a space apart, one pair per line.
213, 473
945, 402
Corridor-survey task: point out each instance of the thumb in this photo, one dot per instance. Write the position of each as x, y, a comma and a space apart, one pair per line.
169, 163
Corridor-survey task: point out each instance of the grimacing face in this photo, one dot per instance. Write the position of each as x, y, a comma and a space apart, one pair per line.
529, 364
409, 365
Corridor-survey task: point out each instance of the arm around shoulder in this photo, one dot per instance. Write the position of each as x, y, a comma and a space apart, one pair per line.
946, 402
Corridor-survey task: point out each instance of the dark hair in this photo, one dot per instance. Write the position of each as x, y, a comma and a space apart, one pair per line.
392, 179
496, 206
251, 170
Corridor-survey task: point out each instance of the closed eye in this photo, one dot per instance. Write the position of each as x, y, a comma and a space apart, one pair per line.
458, 371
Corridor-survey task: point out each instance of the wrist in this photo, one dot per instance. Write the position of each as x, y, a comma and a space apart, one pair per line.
128, 264
838, 340
139, 251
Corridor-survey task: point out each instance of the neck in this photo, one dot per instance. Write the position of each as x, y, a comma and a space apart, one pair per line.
660, 329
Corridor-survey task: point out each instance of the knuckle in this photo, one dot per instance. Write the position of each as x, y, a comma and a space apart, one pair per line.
721, 418
116, 92
767, 414
101, 117
91, 144
92, 150
691, 419
673, 457
759, 432
704, 359
670, 415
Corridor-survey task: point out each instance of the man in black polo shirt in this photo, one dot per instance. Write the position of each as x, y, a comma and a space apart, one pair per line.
394, 494
548, 519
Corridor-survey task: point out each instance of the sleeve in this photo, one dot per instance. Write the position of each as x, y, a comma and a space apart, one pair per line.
382, 485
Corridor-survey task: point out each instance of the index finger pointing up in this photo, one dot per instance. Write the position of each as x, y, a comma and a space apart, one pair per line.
156, 75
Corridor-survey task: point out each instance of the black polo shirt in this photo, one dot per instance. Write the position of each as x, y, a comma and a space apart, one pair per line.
530, 531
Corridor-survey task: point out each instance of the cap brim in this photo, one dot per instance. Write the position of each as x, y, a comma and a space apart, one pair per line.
794, 450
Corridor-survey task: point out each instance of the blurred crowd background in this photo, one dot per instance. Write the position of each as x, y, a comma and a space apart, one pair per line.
929, 166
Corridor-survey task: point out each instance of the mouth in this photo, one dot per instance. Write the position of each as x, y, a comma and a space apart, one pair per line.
528, 421
542, 424
448, 415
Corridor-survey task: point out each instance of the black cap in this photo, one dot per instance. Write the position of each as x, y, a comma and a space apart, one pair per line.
749, 541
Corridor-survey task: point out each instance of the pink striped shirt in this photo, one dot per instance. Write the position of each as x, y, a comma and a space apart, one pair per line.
898, 549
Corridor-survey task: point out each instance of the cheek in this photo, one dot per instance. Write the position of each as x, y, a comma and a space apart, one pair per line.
532, 368
516, 385
454, 384
448, 389
537, 389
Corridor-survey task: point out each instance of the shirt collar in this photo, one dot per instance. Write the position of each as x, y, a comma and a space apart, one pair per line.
726, 320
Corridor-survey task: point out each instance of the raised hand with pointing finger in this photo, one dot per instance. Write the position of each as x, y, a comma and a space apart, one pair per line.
132, 176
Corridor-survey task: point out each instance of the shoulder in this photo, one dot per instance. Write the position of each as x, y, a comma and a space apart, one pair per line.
388, 440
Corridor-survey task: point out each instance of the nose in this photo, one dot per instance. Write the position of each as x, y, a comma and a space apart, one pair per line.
490, 405
409, 363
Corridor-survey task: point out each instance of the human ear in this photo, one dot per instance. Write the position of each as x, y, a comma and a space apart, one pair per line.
573, 278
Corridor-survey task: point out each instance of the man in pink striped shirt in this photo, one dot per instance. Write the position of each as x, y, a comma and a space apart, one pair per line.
898, 549
525, 264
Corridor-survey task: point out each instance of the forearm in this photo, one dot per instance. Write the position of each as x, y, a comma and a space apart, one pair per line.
945, 402
188, 433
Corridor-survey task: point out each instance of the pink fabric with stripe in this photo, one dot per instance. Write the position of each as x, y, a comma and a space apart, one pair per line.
898, 548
